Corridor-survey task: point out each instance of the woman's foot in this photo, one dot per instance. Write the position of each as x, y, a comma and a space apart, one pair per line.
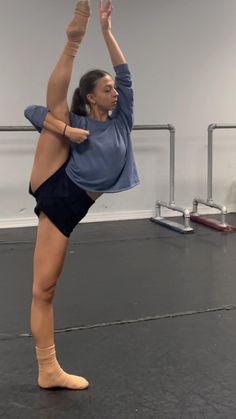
51, 375
77, 27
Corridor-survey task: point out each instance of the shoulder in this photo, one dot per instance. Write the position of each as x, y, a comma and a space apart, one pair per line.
77, 121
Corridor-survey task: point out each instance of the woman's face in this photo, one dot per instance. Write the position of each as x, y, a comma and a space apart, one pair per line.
104, 95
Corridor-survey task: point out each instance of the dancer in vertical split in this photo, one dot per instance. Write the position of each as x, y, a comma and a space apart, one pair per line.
80, 154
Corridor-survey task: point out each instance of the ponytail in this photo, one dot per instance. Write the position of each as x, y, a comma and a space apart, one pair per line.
78, 104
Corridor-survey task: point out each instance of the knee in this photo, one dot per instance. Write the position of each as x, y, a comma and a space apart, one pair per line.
43, 292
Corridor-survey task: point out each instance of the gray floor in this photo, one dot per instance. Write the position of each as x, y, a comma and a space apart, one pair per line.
146, 314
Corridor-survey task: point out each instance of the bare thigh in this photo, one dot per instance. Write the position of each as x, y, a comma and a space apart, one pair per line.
51, 152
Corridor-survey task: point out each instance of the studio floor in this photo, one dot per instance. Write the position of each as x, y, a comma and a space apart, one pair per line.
147, 314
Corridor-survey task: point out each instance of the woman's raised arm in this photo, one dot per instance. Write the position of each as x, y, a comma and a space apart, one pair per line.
116, 55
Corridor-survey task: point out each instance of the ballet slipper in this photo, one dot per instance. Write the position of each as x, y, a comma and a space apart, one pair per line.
77, 27
51, 375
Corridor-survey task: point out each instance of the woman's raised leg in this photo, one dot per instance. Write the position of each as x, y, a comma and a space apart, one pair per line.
53, 149
51, 152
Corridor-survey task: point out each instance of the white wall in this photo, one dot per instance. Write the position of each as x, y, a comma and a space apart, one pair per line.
183, 59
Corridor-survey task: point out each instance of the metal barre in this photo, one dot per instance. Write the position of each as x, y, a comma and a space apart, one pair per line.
211, 127
209, 201
10, 128
15, 128
168, 127
171, 204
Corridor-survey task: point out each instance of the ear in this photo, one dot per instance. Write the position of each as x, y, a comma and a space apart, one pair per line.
91, 99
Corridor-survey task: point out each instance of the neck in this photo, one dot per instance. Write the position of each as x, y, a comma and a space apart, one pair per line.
98, 114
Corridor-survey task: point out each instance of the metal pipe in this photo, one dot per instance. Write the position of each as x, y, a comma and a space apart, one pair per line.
15, 128
221, 126
167, 127
210, 166
171, 205
172, 167
174, 207
170, 128
221, 208
222, 226
9, 128
211, 128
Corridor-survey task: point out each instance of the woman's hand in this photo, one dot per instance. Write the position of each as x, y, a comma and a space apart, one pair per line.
76, 135
105, 14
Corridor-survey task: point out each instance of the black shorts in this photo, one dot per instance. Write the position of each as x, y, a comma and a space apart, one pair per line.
63, 202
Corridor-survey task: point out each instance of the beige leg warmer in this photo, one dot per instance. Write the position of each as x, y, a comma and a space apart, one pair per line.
51, 375
77, 27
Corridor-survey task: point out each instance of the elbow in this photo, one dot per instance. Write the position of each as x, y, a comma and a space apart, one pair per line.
36, 115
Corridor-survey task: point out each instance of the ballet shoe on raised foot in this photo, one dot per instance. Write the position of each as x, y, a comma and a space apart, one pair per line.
77, 27
51, 375
83, 8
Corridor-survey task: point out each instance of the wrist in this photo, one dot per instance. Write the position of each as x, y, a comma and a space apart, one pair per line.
67, 131
64, 130
106, 32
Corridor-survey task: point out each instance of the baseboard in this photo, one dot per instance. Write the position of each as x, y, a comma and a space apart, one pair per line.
90, 218
109, 216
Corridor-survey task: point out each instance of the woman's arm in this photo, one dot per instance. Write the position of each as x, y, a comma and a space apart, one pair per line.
40, 118
53, 124
116, 55
59, 80
123, 79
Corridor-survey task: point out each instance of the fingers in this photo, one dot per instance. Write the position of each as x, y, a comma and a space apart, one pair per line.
84, 132
77, 135
109, 5
83, 135
107, 8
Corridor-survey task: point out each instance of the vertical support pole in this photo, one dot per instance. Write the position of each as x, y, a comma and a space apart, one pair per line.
172, 165
210, 164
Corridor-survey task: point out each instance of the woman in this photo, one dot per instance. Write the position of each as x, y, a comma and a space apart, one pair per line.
68, 176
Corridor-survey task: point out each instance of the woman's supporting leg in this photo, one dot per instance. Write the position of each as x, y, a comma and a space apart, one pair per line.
49, 256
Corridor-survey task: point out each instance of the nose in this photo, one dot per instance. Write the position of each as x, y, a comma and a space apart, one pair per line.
115, 93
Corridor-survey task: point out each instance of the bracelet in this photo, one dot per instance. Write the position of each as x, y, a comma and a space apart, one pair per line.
64, 131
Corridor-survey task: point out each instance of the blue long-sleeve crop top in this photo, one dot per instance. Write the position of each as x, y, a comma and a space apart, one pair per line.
105, 161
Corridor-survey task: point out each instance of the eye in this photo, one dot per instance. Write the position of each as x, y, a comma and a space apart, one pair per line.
108, 89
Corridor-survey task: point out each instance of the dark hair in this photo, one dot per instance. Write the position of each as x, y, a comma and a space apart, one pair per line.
87, 85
